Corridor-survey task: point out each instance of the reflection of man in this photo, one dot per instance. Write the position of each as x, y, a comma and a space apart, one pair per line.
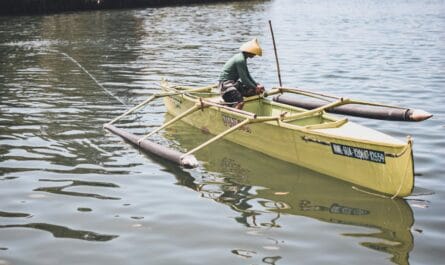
235, 81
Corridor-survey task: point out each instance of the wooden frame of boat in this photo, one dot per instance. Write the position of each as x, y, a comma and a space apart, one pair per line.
310, 138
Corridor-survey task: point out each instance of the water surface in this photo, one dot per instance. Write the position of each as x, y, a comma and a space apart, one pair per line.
72, 193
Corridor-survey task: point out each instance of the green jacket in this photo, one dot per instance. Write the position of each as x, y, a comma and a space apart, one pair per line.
236, 69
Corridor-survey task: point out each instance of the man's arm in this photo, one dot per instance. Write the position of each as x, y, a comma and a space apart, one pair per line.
245, 75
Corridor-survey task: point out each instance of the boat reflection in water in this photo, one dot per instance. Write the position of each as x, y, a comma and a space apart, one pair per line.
261, 189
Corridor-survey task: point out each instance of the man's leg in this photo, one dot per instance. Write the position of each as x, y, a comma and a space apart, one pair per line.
245, 91
234, 98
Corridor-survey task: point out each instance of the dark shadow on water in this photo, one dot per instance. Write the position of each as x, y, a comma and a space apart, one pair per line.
64, 232
14, 214
75, 183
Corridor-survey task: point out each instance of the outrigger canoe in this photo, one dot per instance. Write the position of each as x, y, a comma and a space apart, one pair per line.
313, 138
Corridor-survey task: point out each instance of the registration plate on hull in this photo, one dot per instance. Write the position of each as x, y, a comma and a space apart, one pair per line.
359, 153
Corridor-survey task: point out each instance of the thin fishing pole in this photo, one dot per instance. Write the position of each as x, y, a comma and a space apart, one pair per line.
276, 53
91, 76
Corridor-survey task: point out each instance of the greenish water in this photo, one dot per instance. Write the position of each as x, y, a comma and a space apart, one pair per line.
73, 193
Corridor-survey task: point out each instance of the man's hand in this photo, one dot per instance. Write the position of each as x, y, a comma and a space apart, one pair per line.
259, 89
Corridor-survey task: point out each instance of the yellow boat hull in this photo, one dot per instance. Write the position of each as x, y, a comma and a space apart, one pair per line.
383, 166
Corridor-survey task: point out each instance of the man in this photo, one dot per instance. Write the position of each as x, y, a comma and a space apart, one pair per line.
235, 81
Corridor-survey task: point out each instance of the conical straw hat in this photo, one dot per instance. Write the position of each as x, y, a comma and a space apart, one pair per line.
252, 47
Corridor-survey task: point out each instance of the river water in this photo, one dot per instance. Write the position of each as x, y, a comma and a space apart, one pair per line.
73, 193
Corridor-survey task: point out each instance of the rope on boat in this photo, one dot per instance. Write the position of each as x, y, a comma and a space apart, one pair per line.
314, 140
371, 193
401, 153
381, 195
410, 143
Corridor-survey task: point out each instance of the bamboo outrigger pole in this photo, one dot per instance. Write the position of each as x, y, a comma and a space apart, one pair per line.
175, 119
276, 54
188, 161
231, 130
156, 96
360, 109
148, 100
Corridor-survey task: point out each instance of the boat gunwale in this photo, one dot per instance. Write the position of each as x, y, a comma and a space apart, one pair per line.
287, 125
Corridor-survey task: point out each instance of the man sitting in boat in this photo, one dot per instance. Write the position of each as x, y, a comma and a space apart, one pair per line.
235, 81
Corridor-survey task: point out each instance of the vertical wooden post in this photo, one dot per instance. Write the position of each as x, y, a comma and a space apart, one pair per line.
276, 55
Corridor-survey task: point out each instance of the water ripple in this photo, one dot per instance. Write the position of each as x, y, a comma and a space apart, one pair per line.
60, 190
13, 214
64, 232
58, 165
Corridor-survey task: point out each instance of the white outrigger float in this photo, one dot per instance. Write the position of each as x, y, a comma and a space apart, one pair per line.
310, 138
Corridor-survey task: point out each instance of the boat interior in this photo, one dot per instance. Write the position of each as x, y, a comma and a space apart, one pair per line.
266, 107
315, 120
